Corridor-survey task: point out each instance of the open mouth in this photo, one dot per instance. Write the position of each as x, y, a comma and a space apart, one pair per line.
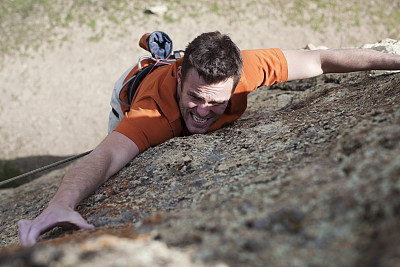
198, 119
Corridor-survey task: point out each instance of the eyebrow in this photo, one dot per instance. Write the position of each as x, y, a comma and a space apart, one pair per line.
195, 95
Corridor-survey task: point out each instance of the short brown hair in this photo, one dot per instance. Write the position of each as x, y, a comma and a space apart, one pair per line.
215, 57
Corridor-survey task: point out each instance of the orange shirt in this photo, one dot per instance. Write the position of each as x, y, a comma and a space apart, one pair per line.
154, 116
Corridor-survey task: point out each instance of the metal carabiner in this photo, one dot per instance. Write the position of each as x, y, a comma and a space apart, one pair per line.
139, 64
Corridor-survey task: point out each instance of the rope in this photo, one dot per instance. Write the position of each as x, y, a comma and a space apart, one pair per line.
19, 177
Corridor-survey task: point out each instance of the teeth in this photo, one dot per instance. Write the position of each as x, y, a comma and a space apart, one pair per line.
197, 119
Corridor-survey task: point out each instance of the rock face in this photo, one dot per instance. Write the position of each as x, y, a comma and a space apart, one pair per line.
309, 176
387, 45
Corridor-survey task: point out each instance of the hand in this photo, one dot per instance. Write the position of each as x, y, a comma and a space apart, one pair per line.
29, 230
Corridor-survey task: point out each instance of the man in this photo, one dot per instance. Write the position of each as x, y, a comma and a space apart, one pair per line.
200, 93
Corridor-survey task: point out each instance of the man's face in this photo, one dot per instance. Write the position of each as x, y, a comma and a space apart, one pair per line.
202, 104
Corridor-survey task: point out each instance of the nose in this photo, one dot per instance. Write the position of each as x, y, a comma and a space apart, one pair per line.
203, 109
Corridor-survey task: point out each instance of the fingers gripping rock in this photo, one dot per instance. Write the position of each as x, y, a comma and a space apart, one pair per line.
29, 230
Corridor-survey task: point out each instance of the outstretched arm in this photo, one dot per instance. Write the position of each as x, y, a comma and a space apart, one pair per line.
87, 175
306, 64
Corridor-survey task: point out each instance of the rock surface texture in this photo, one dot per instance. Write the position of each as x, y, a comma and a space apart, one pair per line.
309, 176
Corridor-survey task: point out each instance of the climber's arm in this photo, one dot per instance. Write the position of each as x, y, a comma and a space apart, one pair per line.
306, 64
84, 178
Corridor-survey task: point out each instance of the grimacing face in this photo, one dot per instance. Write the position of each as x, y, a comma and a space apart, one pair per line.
202, 104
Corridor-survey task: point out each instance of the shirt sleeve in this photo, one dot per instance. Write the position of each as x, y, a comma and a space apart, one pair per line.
264, 67
145, 125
